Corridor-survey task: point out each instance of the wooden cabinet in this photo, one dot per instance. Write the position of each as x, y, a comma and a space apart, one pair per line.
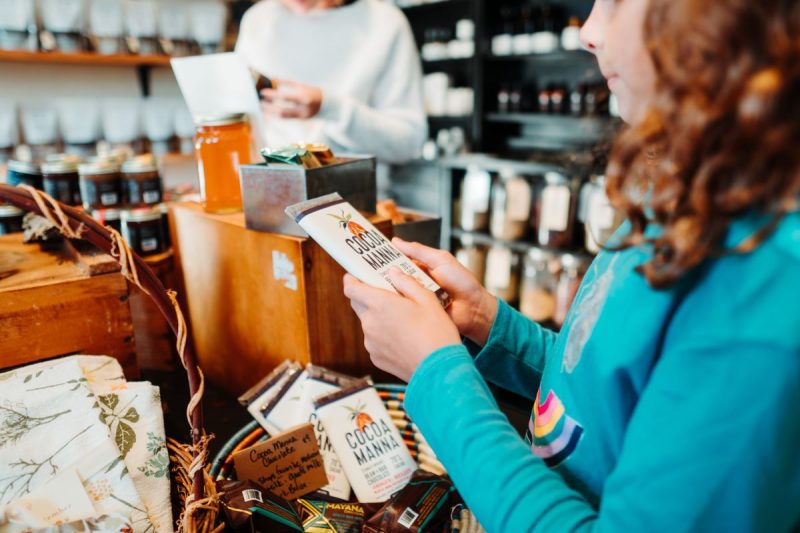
255, 299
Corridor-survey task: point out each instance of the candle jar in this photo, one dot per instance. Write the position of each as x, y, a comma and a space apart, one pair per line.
141, 182
109, 217
10, 219
100, 184
472, 256
61, 181
222, 144
143, 230
25, 173
502, 273
511, 206
556, 212
538, 292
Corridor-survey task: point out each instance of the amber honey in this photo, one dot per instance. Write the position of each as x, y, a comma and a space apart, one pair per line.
221, 145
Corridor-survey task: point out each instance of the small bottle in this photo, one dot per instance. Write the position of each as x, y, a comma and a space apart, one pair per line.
511, 206
558, 100
538, 292
556, 211
475, 196
576, 99
472, 257
515, 98
544, 101
571, 35
502, 273
503, 97
503, 42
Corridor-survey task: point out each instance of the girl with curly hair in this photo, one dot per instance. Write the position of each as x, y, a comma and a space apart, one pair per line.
669, 400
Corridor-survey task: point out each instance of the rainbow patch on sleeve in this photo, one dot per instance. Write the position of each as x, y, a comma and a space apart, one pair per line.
552, 433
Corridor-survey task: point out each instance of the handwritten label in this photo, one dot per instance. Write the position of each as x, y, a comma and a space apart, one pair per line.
289, 465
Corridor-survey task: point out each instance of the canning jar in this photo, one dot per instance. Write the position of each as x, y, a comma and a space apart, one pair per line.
100, 184
60, 179
573, 268
472, 256
222, 144
511, 206
141, 182
502, 273
538, 292
25, 173
10, 219
108, 217
143, 230
556, 211
475, 194
600, 219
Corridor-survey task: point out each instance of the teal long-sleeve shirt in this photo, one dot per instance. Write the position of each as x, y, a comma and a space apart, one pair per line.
673, 410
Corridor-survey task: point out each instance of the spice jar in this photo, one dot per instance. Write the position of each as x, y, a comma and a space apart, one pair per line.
100, 184
109, 217
600, 217
556, 211
511, 206
141, 183
60, 180
143, 230
10, 219
222, 144
538, 292
569, 281
475, 195
472, 256
25, 173
502, 273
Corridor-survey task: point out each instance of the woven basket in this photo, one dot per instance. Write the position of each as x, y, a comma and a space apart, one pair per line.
199, 511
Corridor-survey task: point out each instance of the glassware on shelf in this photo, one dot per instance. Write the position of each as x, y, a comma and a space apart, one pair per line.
511, 206
502, 273
556, 211
599, 217
539, 282
472, 257
475, 196
573, 268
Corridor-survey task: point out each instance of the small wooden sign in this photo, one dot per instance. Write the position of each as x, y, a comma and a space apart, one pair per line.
289, 464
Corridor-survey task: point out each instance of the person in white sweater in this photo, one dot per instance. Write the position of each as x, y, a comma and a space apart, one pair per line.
347, 75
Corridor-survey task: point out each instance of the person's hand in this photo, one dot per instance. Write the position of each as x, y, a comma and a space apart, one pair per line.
290, 99
400, 330
473, 309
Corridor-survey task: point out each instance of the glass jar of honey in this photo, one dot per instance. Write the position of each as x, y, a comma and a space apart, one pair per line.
222, 143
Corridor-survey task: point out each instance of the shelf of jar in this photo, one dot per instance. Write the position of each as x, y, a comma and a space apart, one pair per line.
425, 6
497, 164
83, 58
538, 119
557, 56
521, 247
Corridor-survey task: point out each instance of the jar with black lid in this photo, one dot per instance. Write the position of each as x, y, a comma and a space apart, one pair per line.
61, 181
25, 173
100, 184
143, 230
141, 183
10, 219
109, 217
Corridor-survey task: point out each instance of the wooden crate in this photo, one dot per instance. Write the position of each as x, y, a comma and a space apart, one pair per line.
61, 302
255, 299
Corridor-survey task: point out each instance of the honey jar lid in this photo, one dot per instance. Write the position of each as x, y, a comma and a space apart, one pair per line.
25, 167
59, 166
141, 215
98, 168
221, 120
141, 164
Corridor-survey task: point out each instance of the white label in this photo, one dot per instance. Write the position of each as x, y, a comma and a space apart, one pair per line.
476, 191
518, 194
408, 518
555, 208
498, 268
149, 245
109, 198
252, 495
283, 270
151, 197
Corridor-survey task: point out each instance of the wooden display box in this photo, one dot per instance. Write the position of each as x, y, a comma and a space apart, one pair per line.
62, 302
255, 299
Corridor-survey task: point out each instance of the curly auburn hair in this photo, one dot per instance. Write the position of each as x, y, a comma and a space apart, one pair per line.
721, 136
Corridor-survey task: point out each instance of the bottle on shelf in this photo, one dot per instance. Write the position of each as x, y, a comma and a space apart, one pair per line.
503, 42
511, 206
502, 273
573, 269
539, 283
475, 196
599, 217
472, 257
503, 98
571, 35
556, 210
545, 39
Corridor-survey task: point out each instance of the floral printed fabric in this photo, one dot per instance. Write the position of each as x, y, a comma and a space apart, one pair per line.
126, 416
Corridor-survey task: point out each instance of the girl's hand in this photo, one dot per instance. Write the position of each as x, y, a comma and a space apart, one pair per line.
400, 330
290, 99
473, 309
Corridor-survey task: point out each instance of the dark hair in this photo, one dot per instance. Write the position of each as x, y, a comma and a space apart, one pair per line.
721, 136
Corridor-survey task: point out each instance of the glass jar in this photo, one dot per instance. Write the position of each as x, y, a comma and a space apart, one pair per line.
538, 292
511, 206
10, 219
60, 177
556, 212
143, 230
141, 182
472, 256
502, 273
25, 173
600, 219
573, 269
164, 208
475, 194
100, 184
222, 144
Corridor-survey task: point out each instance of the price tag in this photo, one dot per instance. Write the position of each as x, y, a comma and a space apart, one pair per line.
498, 268
555, 208
518, 193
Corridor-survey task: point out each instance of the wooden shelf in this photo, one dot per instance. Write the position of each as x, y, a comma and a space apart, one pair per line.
83, 58
558, 56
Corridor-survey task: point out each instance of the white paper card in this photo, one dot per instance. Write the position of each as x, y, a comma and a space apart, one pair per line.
60, 501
